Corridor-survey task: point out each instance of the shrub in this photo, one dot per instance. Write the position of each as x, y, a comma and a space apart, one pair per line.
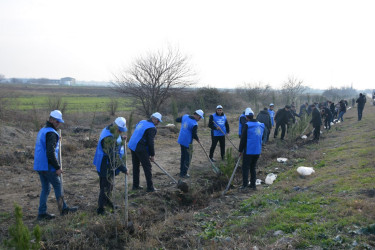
20, 236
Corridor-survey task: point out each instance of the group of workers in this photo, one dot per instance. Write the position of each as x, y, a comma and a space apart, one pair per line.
253, 133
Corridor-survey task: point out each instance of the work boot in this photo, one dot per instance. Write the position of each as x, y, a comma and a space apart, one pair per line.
100, 211
46, 216
137, 188
69, 210
212, 159
186, 176
150, 190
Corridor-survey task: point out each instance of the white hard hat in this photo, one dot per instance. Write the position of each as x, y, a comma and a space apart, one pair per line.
157, 115
249, 111
200, 113
121, 123
219, 107
57, 115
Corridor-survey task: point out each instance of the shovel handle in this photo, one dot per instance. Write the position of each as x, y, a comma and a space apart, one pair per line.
126, 190
162, 169
226, 135
214, 168
231, 178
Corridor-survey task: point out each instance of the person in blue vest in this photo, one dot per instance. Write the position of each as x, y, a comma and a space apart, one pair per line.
47, 165
241, 122
272, 114
108, 160
218, 124
251, 148
188, 132
141, 145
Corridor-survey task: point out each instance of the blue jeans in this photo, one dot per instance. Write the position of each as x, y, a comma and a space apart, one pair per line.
265, 135
48, 178
185, 160
341, 115
360, 110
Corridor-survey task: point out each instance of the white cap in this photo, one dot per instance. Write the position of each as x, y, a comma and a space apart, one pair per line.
248, 111
157, 115
272, 104
57, 115
121, 123
219, 107
200, 113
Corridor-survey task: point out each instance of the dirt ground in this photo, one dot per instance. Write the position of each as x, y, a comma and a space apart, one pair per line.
21, 185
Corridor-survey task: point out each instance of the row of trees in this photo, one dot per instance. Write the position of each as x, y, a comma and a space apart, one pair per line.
165, 77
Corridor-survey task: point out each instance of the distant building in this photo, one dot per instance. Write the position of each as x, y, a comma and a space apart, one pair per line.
67, 81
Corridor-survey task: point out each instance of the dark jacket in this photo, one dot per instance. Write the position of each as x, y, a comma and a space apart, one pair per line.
361, 101
264, 117
302, 110
327, 113
51, 142
342, 107
282, 116
316, 119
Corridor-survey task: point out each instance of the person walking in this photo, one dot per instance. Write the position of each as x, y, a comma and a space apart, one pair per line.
264, 117
108, 162
47, 165
218, 124
272, 114
141, 145
188, 132
361, 105
316, 121
342, 110
282, 118
250, 147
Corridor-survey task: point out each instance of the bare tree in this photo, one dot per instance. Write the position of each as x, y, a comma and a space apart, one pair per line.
291, 89
256, 94
152, 79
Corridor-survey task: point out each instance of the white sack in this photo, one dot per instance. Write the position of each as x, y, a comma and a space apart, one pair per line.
304, 171
270, 178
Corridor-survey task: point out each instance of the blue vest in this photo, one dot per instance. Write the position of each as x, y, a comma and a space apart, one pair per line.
219, 120
40, 155
254, 138
186, 132
240, 125
99, 153
140, 129
272, 115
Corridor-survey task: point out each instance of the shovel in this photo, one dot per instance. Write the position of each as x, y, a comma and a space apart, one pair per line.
180, 184
60, 201
214, 168
129, 225
226, 135
231, 178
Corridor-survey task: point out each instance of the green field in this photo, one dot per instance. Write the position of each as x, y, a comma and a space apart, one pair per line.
74, 103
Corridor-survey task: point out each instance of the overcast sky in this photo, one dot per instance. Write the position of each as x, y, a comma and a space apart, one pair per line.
324, 43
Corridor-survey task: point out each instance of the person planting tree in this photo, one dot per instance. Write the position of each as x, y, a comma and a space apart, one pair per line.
219, 128
107, 160
188, 132
48, 167
142, 149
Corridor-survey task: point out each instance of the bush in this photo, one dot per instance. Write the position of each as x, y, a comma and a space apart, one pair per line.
20, 237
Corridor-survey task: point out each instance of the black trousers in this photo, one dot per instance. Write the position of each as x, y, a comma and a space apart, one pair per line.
282, 125
360, 110
106, 187
316, 132
185, 160
327, 122
221, 140
144, 159
249, 163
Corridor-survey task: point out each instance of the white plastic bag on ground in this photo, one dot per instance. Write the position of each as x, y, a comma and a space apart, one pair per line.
304, 171
282, 159
258, 182
270, 178
304, 137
